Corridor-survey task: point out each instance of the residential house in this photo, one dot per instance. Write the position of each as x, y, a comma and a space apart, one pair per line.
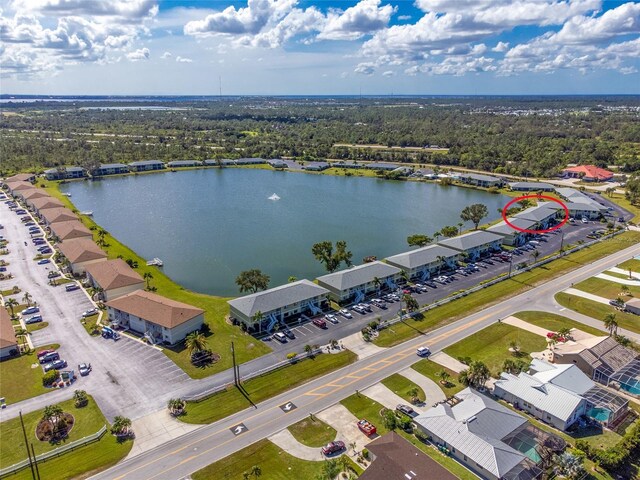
40, 204
8, 340
354, 283
263, 310
480, 180
81, 252
423, 262
381, 166
277, 163
249, 161
184, 163
492, 441
33, 194
65, 173
512, 236
349, 164
580, 204
114, 277
21, 177
588, 173
531, 187
69, 230
545, 215
56, 215
146, 165
17, 186
583, 210
158, 318
393, 457
110, 169
474, 244
633, 306
316, 166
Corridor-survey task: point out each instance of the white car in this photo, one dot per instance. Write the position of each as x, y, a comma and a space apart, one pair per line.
88, 313
330, 317
423, 351
346, 313
584, 220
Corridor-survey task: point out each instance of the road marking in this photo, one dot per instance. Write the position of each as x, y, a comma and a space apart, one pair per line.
239, 429
288, 407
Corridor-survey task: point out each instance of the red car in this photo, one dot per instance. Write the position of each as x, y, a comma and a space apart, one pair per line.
367, 427
42, 353
333, 447
319, 322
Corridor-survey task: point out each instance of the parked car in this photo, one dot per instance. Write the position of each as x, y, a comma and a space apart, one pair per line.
45, 251
281, 337
346, 313
359, 309
84, 369
53, 274
29, 311
289, 333
431, 284
49, 357
319, 322
71, 287
55, 365
44, 261
34, 319
333, 447
423, 351
584, 220
88, 313
331, 317
42, 353
406, 409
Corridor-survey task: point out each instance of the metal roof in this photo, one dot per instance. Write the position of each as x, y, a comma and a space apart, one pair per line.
480, 177
537, 213
422, 256
360, 275
530, 185
141, 163
503, 228
278, 297
471, 240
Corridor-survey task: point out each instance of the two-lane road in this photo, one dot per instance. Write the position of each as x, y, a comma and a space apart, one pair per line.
182, 456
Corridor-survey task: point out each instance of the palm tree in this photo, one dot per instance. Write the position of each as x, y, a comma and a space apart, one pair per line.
292, 279
80, 397
410, 303
404, 276
444, 376
413, 394
436, 236
564, 332
611, 324
256, 471
11, 303
52, 413
121, 426
624, 290
308, 349
195, 342
176, 406
101, 234
441, 259
257, 318
534, 255
476, 375
22, 333
26, 298
377, 283
460, 225
148, 276
514, 347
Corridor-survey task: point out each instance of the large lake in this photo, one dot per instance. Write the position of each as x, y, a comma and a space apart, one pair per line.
209, 225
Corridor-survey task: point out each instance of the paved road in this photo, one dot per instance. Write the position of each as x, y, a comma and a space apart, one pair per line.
184, 455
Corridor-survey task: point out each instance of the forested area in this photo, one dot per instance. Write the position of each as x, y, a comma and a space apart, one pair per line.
533, 136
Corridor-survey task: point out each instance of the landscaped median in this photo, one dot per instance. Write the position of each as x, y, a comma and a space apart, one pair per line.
462, 307
258, 389
85, 460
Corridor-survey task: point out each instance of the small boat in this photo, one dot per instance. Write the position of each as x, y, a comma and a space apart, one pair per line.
88, 213
274, 197
67, 194
156, 261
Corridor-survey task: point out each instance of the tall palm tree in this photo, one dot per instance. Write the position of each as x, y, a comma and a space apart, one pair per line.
11, 303
534, 255
22, 334
148, 276
121, 425
460, 225
52, 413
195, 342
611, 324
441, 260
26, 298
404, 276
377, 283
256, 471
476, 375
436, 236
444, 376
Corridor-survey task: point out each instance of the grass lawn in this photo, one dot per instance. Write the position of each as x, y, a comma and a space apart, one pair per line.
401, 385
355, 172
598, 311
90, 324
79, 463
364, 407
216, 308
491, 345
430, 370
624, 203
9, 291
313, 432
474, 302
231, 400
618, 275
606, 288
32, 327
632, 264
554, 322
18, 381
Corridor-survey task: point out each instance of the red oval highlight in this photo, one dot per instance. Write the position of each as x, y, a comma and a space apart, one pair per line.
537, 197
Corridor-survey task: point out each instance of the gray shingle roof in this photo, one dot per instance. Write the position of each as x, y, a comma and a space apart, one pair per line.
480, 177
356, 276
537, 213
183, 163
587, 207
569, 192
277, 297
422, 256
530, 185
471, 240
503, 228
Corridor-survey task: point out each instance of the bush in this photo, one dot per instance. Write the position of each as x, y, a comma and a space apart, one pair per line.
365, 453
50, 378
292, 356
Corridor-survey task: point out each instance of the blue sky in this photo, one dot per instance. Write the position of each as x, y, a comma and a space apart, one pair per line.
275, 47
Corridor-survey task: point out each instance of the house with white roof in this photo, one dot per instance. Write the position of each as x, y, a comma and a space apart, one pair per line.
423, 262
544, 215
353, 284
480, 180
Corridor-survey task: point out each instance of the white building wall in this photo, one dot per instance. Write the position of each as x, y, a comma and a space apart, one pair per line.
80, 267
177, 333
119, 292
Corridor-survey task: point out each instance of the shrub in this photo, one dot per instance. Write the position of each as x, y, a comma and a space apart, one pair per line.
365, 453
292, 356
50, 378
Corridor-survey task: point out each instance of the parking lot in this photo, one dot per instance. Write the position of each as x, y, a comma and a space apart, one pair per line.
128, 377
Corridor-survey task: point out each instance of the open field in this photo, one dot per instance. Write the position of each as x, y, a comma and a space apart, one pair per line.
313, 432
472, 303
260, 388
554, 322
598, 311
632, 264
491, 346
18, 380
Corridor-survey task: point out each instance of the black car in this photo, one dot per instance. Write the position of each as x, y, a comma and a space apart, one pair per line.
289, 334
406, 409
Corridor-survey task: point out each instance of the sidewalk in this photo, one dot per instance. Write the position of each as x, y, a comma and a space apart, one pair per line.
516, 322
156, 429
588, 296
621, 281
624, 272
448, 361
357, 345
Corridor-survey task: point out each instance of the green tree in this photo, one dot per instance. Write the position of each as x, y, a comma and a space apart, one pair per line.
323, 252
410, 303
449, 231
474, 214
121, 426
80, 398
377, 283
292, 279
52, 414
476, 375
256, 471
444, 376
419, 240
611, 324
252, 281
195, 342
26, 298
12, 303
389, 420
147, 276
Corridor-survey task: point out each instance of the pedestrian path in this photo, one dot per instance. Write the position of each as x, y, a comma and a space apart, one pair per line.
156, 429
448, 361
622, 281
383, 395
516, 322
588, 296
345, 423
624, 272
357, 345
287, 442
432, 392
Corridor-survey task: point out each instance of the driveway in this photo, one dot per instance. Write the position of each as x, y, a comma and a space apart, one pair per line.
432, 392
286, 441
345, 423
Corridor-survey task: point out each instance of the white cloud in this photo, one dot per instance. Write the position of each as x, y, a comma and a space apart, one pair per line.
404, 17
183, 59
124, 9
366, 68
140, 54
365, 17
501, 47
166, 55
389, 73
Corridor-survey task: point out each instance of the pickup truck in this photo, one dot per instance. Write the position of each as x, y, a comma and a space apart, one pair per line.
367, 427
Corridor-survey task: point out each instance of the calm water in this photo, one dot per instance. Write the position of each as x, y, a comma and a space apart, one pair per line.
209, 225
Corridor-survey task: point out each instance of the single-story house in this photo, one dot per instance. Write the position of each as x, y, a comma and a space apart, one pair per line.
510, 235
114, 277
157, 317
263, 310
65, 173
381, 166
110, 169
633, 306
81, 252
17, 186
588, 173
316, 166
355, 283
394, 458
277, 163
544, 214
8, 340
33, 194
531, 187
474, 244
57, 215
580, 204
425, 261
486, 437
184, 163
146, 165
69, 230
480, 180
21, 177
40, 204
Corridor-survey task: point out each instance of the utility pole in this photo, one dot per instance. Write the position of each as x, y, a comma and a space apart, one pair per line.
510, 265
233, 358
561, 242
26, 444
35, 460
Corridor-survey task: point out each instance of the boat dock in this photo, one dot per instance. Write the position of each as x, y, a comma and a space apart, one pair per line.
156, 261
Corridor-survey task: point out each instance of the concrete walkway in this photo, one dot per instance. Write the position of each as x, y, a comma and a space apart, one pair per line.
622, 281
383, 395
516, 322
448, 361
286, 441
357, 345
344, 422
156, 429
432, 392
588, 296
624, 272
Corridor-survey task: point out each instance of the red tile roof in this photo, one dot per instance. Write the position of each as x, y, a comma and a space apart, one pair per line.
591, 171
